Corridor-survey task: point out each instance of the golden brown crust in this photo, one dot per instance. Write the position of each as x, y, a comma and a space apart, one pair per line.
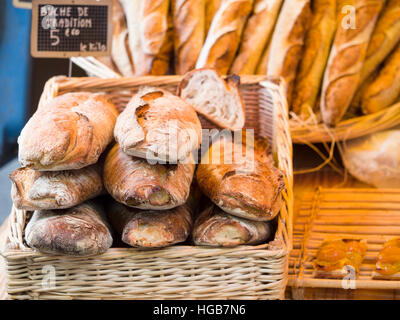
288, 40
136, 183
346, 59
34, 190
189, 32
316, 51
216, 228
78, 231
256, 36
249, 187
212, 7
223, 38
69, 132
162, 62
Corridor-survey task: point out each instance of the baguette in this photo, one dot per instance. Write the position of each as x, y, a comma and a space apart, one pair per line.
136, 183
262, 67
68, 132
120, 44
148, 25
216, 99
212, 7
384, 39
189, 32
34, 190
216, 228
162, 62
158, 125
385, 89
256, 35
223, 38
287, 42
316, 52
78, 231
346, 59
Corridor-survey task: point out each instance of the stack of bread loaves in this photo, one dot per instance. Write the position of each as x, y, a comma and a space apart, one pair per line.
148, 173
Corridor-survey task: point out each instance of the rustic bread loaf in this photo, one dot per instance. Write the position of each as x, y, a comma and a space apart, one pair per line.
158, 125
77, 231
256, 36
136, 183
218, 100
34, 190
68, 132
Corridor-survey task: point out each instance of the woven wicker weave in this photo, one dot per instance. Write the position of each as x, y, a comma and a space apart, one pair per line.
177, 272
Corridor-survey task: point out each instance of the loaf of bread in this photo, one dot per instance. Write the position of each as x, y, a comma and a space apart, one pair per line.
316, 51
256, 36
78, 231
120, 44
385, 89
343, 70
69, 132
162, 62
148, 25
158, 125
136, 183
223, 38
263, 63
34, 190
189, 32
288, 40
216, 99
217, 228
384, 38
212, 7
241, 179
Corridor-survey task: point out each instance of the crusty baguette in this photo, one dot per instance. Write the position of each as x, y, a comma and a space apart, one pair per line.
212, 7
147, 22
68, 132
223, 38
218, 100
287, 42
385, 37
385, 89
246, 184
34, 190
256, 35
263, 63
158, 125
217, 228
136, 183
342, 73
78, 231
189, 32
120, 43
316, 51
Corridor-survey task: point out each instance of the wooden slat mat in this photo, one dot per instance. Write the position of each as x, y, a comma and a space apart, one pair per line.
370, 214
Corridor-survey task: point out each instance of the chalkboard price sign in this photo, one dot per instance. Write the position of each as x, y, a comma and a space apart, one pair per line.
68, 28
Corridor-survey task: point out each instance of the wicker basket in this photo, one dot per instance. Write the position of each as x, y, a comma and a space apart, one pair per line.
177, 272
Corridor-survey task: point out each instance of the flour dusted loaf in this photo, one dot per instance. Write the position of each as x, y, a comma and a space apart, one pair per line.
157, 125
216, 99
68, 132
78, 231
34, 190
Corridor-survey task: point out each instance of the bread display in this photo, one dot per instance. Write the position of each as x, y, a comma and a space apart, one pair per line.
216, 228
224, 35
343, 70
385, 89
189, 32
316, 51
158, 125
137, 183
216, 99
388, 261
77, 231
288, 40
256, 36
241, 179
336, 258
34, 190
81, 126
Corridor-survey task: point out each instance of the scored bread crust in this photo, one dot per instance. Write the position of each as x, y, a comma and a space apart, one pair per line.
196, 85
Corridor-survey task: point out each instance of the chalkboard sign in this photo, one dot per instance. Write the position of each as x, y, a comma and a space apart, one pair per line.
68, 28
26, 4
